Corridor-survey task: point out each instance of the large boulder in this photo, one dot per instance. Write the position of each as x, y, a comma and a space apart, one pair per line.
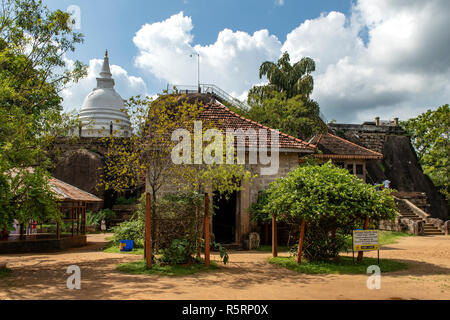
82, 169
401, 166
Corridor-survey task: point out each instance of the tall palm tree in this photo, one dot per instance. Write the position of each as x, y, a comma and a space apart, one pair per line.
283, 77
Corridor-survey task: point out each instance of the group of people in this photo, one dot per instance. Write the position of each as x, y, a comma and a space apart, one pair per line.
31, 227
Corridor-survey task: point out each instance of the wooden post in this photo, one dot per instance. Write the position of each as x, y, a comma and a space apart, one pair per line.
266, 236
206, 225
274, 236
21, 236
360, 253
148, 230
300, 243
83, 219
71, 210
58, 231
78, 219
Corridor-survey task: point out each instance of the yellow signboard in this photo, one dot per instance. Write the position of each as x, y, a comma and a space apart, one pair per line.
365, 240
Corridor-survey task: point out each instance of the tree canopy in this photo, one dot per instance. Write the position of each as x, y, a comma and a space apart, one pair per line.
283, 77
147, 154
430, 136
312, 192
330, 200
33, 44
284, 103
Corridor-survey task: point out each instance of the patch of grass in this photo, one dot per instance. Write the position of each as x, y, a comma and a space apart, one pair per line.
114, 249
139, 267
268, 248
4, 272
389, 237
344, 265
111, 248
385, 237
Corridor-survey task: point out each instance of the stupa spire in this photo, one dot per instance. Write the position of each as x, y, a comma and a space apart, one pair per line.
106, 71
105, 80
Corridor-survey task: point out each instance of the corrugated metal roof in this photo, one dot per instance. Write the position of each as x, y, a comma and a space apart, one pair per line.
65, 191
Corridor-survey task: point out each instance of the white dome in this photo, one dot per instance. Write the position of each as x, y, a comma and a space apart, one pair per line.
103, 109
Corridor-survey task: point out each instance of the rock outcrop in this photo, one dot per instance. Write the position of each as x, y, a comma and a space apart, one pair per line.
400, 164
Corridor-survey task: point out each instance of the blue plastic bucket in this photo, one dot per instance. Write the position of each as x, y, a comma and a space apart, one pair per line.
126, 245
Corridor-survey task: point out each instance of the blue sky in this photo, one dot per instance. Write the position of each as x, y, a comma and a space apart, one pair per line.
373, 58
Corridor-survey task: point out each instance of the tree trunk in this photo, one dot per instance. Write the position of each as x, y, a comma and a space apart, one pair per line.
197, 233
361, 253
274, 236
21, 237
300, 242
148, 231
207, 239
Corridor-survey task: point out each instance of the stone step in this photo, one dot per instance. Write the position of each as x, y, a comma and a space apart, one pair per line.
431, 230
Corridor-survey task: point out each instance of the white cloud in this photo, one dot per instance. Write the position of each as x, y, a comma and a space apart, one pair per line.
232, 62
279, 2
125, 84
400, 69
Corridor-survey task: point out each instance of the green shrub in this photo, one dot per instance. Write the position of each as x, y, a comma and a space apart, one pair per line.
319, 244
130, 230
91, 218
107, 214
97, 217
179, 252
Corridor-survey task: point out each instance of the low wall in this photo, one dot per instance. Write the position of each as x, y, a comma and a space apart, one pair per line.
42, 245
402, 224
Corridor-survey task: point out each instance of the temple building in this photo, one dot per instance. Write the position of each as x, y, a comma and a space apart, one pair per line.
103, 111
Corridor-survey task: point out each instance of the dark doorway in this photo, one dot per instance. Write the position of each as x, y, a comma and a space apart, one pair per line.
224, 219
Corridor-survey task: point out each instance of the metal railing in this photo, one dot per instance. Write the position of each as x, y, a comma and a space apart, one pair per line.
220, 94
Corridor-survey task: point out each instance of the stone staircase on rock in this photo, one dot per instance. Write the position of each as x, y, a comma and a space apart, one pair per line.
406, 212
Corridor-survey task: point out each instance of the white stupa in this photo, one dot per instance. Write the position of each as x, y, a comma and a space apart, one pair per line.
103, 112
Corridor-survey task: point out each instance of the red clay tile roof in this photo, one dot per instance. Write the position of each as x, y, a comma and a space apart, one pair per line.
336, 147
223, 118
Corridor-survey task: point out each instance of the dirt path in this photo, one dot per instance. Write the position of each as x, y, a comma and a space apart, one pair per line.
248, 276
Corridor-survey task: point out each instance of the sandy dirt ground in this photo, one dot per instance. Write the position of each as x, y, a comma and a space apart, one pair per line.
247, 276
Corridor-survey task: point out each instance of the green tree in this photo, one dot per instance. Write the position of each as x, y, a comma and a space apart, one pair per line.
283, 77
284, 103
294, 116
330, 200
33, 44
430, 136
147, 156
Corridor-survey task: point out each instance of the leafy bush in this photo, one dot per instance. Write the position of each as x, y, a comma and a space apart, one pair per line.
91, 218
130, 230
331, 201
107, 214
179, 252
257, 211
320, 244
97, 217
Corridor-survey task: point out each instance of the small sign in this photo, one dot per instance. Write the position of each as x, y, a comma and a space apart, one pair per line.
365, 240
